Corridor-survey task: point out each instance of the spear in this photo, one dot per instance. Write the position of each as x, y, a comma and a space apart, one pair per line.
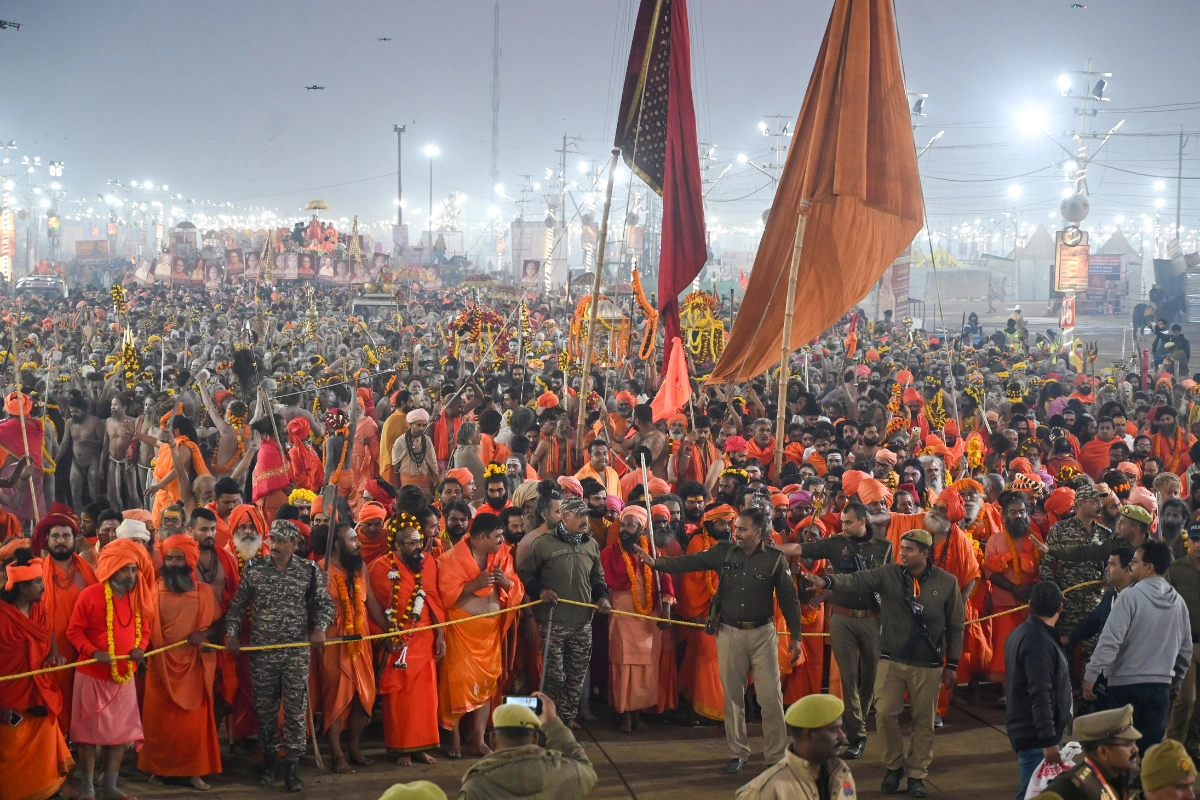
653, 548
33, 495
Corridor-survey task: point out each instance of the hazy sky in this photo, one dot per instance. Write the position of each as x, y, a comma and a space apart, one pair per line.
209, 97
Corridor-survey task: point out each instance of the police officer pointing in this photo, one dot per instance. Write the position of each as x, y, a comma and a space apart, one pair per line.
290, 604
854, 623
752, 574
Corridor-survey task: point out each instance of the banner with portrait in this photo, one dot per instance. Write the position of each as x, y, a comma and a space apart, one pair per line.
235, 264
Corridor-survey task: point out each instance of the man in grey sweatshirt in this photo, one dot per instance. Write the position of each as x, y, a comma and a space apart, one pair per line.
1146, 645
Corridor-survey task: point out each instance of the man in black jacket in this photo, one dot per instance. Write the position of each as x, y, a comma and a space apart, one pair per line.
1038, 682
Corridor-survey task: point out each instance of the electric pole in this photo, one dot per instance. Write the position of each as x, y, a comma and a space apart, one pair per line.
399, 129
1179, 188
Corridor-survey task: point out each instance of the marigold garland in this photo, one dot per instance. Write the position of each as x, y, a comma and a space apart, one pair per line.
356, 612
114, 665
648, 586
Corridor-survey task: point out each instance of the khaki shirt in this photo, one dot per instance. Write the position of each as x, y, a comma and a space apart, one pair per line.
791, 779
840, 551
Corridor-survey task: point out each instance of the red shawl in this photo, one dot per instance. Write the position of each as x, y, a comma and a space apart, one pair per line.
270, 473
24, 645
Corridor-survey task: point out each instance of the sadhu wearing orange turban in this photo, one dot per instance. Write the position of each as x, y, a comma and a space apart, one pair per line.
177, 713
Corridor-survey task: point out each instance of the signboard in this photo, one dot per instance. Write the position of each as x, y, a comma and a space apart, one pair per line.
1070, 264
91, 251
1106, 264
1066, 319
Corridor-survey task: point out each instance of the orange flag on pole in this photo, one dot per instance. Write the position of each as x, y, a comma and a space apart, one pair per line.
675, 391
852, 169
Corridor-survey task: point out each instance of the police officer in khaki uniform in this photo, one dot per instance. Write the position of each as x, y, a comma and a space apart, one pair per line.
921, 619
1109, 743
811, 767
753, 573
854, 623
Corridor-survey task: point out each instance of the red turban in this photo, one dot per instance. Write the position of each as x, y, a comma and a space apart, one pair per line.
952, 501
121, 552
951, 427
904, 377
1060, 501
871, 490
547, 400
220, 396
736, 444
718, 513
371, 510
462, 475
911, 396
570, 485
298, 430
60, 514
911, 488
249, 513
185, 542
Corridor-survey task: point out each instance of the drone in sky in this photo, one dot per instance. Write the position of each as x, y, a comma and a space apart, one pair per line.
315, 87
385, 38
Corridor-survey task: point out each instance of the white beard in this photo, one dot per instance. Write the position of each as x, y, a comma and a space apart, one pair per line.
973, 510
248, 547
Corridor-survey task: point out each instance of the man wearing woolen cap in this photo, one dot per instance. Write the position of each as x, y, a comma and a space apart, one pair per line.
810, 766
922, 621
1168, 772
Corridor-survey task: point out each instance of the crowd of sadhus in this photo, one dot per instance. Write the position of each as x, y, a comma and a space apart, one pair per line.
418, 464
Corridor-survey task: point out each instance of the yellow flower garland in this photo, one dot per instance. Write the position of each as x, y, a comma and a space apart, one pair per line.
113, 666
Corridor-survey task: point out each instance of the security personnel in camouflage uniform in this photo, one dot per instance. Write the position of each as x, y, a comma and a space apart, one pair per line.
854, 621
1109, 743
922, 620
290, 604
1081, 527
752, 575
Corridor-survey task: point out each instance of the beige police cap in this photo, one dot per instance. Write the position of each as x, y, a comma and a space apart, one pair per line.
511, 715
1116, 723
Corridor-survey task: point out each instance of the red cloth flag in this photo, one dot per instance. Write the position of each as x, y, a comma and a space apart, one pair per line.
656, 131
852, 172
675, 391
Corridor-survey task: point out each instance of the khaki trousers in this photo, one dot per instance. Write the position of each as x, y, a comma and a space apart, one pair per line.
1181, 711
740, 653
922, 684
855, 645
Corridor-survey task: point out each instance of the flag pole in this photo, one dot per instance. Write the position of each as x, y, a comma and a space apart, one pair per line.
591, 328
789, 310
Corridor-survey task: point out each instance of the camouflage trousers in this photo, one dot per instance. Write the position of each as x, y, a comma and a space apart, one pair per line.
281, 676
568, 662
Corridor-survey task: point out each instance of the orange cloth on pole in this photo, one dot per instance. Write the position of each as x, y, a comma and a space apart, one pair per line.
341, 674
474, 656
853, 158
675, 391
177, 713
410, 719
62, 591
699, 676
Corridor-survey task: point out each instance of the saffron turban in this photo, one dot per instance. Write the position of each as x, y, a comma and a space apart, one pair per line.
372, 510
718, 513
462, 475
21, 574
660, 510
571, 485
871, 491
951, 500
886, 456
614, 503
120, 553
185, 543
736, 444
638, 513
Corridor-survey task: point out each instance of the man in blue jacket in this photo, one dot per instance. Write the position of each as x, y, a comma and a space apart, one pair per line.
1038, 684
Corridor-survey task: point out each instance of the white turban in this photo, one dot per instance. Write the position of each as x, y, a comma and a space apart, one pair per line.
133, 529
417, 415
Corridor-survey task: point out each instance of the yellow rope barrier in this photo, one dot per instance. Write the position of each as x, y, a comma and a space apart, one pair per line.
395, 634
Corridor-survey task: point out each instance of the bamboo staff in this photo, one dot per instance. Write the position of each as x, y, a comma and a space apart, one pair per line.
591, 328
653, 548
33, 495
789, 310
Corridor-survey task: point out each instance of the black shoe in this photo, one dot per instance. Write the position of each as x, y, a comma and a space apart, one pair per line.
268, 771
856, 749
891, 781
735, 765
916, 787
291, 775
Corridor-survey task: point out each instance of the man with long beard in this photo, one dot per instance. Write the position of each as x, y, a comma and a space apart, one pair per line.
65, 575
634, 645
345, 673
475, 576
1171, 443
177, 712
406, 598
111, 618
1011, 564
514, 527
694, 499
495, 483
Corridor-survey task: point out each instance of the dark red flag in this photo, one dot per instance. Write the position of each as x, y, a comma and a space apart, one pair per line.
656, 131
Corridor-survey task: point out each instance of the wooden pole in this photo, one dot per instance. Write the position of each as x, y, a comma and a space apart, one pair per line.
789, 310
591, 327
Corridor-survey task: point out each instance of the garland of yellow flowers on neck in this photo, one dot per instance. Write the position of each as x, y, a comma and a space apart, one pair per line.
113, 665
710, 580
646, 579
354, 611
237, 422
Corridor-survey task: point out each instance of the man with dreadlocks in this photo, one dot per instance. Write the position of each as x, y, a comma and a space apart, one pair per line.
405, 586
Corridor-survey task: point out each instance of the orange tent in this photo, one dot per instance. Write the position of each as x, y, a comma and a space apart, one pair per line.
852, 173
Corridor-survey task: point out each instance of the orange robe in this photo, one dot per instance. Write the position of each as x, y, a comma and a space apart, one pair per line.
36, 744
958, 556
59, 601
224, 536
900, 525
765, 455
998, 560
181, 732
634, 645
609, 480
365, 461
345, 671
1094, 457
163, 464
489, 451
474, 650
699, 677
410, 718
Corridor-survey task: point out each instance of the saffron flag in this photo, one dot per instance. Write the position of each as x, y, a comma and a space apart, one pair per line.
852, 170
675, 391
656, 131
